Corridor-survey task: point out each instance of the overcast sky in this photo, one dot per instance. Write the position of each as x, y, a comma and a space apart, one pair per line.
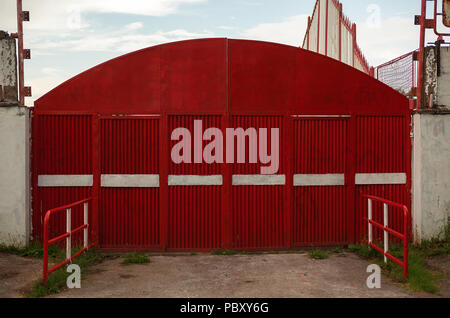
70, 36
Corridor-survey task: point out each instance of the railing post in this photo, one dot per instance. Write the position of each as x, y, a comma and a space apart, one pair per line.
45, 256
68, 230
405, 244
369, 209
386, 233
86, 218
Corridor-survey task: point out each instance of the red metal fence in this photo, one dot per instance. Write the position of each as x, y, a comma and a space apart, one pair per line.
387, 230
69, 233
340, 135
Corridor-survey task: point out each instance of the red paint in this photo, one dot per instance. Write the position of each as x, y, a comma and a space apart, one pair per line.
226, 83
47, 241
402, 234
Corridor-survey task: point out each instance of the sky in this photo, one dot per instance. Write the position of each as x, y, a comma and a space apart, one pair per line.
68, 37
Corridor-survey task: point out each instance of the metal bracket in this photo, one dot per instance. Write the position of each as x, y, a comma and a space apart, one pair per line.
27, 91
26, 16
27, 54
430, 23
417, 19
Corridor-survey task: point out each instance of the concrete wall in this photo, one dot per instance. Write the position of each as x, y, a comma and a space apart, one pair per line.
8, 68
14, 175
431, 173
436, 90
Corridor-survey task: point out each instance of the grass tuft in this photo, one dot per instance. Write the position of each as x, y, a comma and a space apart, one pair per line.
57, 280
317, 254
224, 252
136, 258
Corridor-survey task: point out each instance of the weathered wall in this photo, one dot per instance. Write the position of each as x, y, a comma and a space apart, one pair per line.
8, 68
431, 173
436, 90
14, 175
443, 82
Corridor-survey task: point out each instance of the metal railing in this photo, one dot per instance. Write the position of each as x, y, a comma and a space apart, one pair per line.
68, 236
387, 230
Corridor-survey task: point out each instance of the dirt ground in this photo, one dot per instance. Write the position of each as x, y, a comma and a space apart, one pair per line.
205, 275
18, 274
237, 276
442, 265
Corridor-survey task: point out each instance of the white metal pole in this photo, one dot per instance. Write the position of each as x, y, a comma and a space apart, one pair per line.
386, 234
86, 213
369, 209
68, 230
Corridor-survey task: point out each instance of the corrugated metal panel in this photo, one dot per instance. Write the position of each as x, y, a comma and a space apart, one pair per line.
130, 146
258, 214
320, 212
381, 148
195, 212
129, 217
63, 147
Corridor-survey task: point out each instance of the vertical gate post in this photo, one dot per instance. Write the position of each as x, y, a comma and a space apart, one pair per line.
227, 194
386, 234
86, 221
350, 177
369, 216
96, 173
163, 180
288, 144
68, 230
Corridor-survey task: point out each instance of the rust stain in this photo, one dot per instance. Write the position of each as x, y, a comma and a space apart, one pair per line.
446, 12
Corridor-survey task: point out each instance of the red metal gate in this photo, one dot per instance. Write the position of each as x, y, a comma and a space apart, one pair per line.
339, 136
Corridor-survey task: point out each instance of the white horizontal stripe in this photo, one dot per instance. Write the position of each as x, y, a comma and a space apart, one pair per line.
380, 178
321, 116
304, 180
130, 180
65, 180
195, 180
259, 179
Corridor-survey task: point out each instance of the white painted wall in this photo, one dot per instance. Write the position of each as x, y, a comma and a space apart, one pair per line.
431, 174
14, 175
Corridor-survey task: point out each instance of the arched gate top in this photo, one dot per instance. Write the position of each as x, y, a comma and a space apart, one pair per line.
209, 76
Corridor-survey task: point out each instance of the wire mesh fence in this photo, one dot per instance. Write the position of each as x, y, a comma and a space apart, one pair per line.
400, 74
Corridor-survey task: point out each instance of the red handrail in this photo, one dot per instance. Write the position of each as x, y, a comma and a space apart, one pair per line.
387, 230
68, 236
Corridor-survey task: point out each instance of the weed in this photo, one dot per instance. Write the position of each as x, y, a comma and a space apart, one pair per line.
57, 280
420, 278
318, 254
136, 258
224, 252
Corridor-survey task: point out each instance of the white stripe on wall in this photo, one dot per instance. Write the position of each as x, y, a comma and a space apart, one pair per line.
130, 180
65, 180
380, 178
259, 179
304, 180
195, 180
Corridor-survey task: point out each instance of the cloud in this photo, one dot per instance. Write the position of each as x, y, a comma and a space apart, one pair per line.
388, 39
122, 41
290, 31
44, 80
134, 26
58, 16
